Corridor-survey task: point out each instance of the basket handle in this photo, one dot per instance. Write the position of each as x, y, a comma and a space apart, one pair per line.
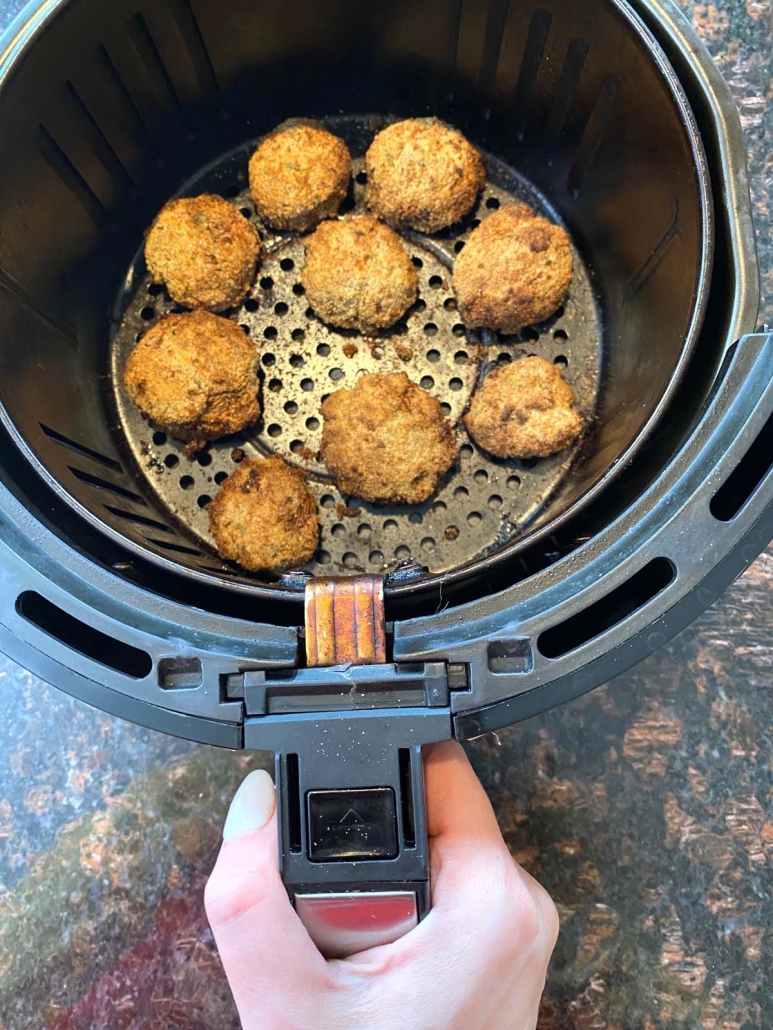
348, 732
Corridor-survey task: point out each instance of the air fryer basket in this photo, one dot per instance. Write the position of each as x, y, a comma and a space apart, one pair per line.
116, 108
106, 586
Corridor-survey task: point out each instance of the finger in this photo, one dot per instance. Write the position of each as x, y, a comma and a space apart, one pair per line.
271, 962
468, 855
468, 848
457, 804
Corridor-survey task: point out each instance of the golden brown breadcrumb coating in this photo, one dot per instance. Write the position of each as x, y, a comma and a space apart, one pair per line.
358, 274
386, 440
205, 252
299, 175
515, 270
195, 375
524, 410
423, 175
264, 517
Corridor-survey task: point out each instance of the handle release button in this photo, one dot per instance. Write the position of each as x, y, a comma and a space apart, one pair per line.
352, 825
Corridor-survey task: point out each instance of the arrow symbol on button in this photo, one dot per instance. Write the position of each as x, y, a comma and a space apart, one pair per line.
351, 818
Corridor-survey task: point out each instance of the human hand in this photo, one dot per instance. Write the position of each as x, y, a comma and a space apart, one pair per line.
477, 962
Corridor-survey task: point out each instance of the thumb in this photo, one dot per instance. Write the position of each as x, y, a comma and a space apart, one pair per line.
271, 962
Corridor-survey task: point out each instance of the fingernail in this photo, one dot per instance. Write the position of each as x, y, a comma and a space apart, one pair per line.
252, 806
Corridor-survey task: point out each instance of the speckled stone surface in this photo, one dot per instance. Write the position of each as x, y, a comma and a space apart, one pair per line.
645, 808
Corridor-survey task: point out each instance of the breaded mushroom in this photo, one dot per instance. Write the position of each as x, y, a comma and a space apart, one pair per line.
204, 251
358, 274
524, 410
423, 175
515, 270
299, 175
195, 375
264, 517
386, 440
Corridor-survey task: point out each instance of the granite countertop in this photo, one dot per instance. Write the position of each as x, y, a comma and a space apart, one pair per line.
646, 808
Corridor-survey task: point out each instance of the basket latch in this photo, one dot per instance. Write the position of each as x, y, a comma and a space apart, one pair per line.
345, 622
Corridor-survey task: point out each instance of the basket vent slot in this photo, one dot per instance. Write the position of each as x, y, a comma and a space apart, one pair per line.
149, 54
140, 520
80, 448
741, 485
167, 545
598, 123
567, 84
539, 31
100, 144
90, 642
103, 484
63, 166
119, 90
609, 611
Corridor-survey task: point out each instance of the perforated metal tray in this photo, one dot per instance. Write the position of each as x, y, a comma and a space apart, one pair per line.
483, 502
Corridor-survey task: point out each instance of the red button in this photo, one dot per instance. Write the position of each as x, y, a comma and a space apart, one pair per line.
343, 924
